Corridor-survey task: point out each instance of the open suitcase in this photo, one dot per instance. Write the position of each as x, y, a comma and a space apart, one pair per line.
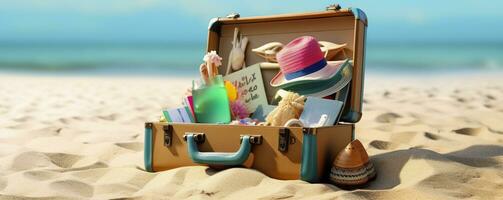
279, 152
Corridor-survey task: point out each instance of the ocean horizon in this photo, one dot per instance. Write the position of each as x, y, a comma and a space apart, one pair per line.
183, 58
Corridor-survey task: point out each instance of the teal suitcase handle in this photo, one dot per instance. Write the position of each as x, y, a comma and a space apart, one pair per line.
219, 158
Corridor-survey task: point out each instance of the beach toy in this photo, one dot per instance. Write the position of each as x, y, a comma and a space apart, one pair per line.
232, 91
290, 107
351, 167
237, 54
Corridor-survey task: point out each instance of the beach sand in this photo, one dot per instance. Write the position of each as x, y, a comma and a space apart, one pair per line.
82, 137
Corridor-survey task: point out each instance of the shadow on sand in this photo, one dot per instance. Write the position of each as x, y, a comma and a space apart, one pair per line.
389, 165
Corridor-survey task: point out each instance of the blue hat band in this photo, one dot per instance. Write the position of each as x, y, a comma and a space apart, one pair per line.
306, 71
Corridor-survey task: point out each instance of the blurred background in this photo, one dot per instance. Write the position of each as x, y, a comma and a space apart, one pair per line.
155, 37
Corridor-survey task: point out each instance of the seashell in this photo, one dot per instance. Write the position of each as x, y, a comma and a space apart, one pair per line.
269, 51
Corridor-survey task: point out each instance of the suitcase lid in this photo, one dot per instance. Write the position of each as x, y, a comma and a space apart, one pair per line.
334, 25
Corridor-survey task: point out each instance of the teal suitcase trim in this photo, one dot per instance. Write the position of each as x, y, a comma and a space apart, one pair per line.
147, 151
309, 163
351, 116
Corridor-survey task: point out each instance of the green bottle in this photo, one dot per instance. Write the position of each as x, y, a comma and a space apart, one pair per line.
211, 104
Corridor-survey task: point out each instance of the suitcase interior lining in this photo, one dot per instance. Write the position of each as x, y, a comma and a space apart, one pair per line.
333, 29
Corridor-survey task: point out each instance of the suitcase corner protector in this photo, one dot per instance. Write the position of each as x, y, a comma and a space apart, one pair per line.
214, 24
359, 15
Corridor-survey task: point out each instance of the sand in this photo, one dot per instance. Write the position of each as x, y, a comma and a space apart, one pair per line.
82, 137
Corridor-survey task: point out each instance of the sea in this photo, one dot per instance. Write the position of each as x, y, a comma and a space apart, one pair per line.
183, 59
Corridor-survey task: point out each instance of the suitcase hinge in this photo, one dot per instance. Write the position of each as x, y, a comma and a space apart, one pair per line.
168, 135
233, 16
333, 7
198, 137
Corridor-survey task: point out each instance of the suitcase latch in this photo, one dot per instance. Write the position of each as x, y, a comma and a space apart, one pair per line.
333, 7
168, 135
254, 139
284, 139
233, 16
198, 137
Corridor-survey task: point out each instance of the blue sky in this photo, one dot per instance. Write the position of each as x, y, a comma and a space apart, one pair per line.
179, 20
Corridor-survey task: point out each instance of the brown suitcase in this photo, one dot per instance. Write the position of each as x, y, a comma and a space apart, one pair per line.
279, 152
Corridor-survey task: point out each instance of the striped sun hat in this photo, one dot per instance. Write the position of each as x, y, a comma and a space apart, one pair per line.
302, 62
